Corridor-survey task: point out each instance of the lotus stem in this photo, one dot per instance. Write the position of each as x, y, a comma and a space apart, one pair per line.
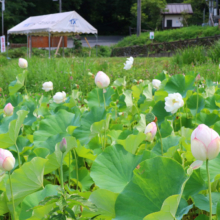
61, 172
77, 176
12, 197
104, 98
209, 189
161, 143
69, 169
98, 96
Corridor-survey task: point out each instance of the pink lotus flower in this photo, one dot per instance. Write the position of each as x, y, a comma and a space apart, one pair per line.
151, 131
8, 109
102, 80
7, 160
22, 63
205, 143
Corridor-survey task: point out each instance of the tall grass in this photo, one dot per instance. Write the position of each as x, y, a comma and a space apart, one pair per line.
190, 55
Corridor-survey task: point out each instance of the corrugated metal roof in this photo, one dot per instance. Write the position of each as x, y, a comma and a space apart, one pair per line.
178, 8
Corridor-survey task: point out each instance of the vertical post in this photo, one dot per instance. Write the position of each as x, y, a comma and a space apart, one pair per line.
7, 44
63, 44
30, 46
3, 8
96, 36
49, 43
138, 17
27, 44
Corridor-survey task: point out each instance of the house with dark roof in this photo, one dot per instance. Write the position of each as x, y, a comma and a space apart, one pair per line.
173, 15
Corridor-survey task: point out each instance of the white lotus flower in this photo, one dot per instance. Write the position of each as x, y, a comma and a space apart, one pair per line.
129, 63
7, 160
156, 83
59, 97
47, 86
173, 102
22, 63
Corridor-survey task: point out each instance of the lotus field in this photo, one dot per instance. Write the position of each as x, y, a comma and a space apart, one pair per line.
148, 151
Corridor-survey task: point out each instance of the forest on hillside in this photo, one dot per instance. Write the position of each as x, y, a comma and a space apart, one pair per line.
109, 17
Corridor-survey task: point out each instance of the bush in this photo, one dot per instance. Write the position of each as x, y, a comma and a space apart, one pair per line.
3, 61
195, 55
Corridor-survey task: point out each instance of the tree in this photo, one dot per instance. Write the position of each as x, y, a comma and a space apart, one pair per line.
151, 13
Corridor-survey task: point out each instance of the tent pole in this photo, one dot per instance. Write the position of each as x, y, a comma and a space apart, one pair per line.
63, 44
27, 44
30, 46
49, 43
96, 44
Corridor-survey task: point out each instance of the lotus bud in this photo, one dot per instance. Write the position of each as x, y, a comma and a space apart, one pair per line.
63, 145
156, 83
205, 143
22, 63
47, 86
151, 131
8, 109
7, 160
59, 97
102, 80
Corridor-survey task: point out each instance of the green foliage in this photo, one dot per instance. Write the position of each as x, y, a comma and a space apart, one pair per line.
214, 52
184, 33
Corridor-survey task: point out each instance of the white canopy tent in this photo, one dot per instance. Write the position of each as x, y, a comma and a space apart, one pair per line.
59, 24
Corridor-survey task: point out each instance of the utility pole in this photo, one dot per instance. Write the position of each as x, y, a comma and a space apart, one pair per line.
60, 3
138, 17
3, 9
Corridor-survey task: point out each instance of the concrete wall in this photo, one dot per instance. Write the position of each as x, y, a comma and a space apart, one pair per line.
176, 20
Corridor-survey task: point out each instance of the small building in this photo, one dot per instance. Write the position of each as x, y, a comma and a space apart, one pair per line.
173, 15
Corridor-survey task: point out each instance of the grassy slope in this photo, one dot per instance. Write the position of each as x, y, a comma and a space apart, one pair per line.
60, 70
169, 35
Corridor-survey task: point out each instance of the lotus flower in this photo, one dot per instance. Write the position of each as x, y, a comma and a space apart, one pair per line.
205, 143
47, 86
102, 80
22, 63
59, 97
173, 102
151, 131
7, 160
129, 63
63, 145
156, 83
8, 109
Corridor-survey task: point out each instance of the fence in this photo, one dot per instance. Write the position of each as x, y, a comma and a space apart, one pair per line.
162, 48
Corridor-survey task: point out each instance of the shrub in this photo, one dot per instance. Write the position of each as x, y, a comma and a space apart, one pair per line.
214, 52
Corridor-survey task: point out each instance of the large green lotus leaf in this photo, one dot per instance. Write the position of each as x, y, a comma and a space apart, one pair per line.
194, 185
54, 159
179, 83
105, 202
26, 180
141, 123
30, 106
8, 139
210, 103
168, 142
183, 209
18, 83
147, 92
165, 129
214, 168
96, 99
156, 179
202, 202
217, 127
207, 119
53, 129
3, 204
218, 211
15, 99
160, 96
33, 200
137, 91
83, 133
159, 111
193, 106
202, 217
113, 169
132, 142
